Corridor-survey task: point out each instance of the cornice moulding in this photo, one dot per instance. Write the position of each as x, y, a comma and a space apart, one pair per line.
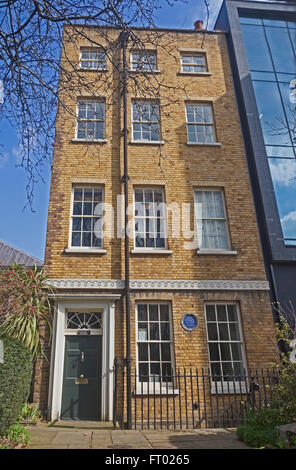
159, 284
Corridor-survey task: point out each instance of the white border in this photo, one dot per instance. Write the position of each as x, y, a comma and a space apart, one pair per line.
233, 386
57, 355
160, 284
144, 388
85, 249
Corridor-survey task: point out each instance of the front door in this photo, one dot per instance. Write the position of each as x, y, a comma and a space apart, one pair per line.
81, 397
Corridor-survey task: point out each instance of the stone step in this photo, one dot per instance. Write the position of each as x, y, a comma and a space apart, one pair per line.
90, 425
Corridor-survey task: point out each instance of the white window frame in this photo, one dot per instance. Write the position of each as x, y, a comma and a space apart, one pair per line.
199, 222
137, 65
85, 248
165, 221
90, 139
192, 64
147, 123
233, 386
150, 388
98, 61
201, 124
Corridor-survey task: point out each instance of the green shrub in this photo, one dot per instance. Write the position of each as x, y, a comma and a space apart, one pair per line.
285, 391
17, 433
264, 418
15, 381
257, 437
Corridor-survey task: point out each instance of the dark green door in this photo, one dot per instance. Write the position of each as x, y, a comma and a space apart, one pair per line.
81, 398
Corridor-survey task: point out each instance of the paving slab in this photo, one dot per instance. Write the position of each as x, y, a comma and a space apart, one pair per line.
101, 440
72, 438
130, 439
45, 436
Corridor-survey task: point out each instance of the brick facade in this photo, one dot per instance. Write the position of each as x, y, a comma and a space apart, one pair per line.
179, 169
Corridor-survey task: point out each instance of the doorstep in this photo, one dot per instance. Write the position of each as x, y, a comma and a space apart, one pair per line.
76, 424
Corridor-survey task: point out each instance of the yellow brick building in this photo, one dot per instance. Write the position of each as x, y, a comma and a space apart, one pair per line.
194, 249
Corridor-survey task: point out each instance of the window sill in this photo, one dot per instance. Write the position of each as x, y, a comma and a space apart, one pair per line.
85, 250
151, 391
91, 69
147, 142
144, 71
89, 141
153, 251
212, 144
226, 389
195, 73
216, 252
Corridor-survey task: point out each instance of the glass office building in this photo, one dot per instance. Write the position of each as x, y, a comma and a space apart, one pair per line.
271, 49
261, 39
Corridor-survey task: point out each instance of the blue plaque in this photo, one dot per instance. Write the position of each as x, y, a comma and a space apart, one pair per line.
189, 322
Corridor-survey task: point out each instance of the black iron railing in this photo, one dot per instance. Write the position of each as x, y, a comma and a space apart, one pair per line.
190, 399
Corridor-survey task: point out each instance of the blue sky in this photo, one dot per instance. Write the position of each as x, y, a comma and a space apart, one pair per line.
25, 229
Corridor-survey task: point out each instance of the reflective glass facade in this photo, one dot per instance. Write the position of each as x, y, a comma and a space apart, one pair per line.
271, 50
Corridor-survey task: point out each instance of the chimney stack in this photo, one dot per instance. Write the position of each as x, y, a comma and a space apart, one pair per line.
198, 25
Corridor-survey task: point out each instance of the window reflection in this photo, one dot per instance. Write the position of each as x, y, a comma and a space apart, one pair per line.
273, 69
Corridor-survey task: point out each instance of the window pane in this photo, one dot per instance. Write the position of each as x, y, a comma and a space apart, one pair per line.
78, 194
140, 240
239, 370
165, 331
236, 351
154, 352
223, 332
87, 208
164, 313
77, 209
76, 224
258, 57
228, 371
139, 195
153, 312
76, 239
234, 331
142, 332
87, 222
86, 239
166, 352
214, 352
225, 352
142, 312
211, 315
155, 371
143, 351
216, 370
221, 312
97, 240
232, 315
212, 331
166, 372
143, 372
154, 331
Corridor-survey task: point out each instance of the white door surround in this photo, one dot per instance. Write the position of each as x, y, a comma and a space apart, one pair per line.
62, 305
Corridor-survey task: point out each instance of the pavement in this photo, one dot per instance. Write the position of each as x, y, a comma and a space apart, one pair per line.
93, 436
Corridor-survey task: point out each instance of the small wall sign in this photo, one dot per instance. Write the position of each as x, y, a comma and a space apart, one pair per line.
189, 321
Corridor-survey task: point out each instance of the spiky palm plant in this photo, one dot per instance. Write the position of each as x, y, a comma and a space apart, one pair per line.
24, 305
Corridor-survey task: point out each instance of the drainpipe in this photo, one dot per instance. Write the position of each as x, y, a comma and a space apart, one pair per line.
123, 41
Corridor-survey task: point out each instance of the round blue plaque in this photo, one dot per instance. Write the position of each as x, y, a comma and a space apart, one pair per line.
189, 321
